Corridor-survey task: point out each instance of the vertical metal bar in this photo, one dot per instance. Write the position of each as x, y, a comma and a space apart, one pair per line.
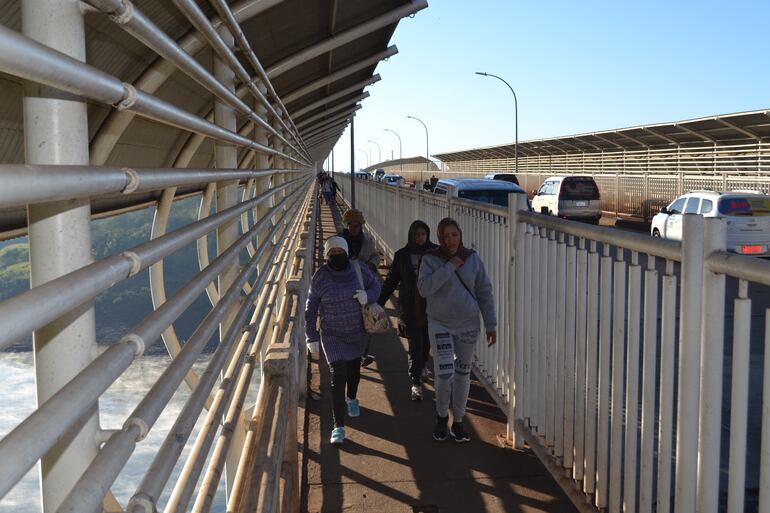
561, 288
352, 162
551, 341
580, 359
689, 365
544, 279
569, 357
764, 457
739, 400
592, 345
527, 325
648, 385
618, 341
632, 383
667, 383
712, 349
513, 345
226, 157
534, 340
56, 132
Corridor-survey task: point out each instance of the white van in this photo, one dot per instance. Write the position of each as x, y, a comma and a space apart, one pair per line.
569, 197
494, 192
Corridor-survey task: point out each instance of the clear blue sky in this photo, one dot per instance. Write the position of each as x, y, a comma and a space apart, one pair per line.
575, 66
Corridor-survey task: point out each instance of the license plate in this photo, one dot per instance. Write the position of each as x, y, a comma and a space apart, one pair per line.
581, 203
752, 249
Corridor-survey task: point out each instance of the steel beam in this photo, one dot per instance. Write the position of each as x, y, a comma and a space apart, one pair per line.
336, 96
346, 37
338, 75
347, 104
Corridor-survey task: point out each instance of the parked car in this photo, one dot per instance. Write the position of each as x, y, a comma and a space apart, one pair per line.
747, 214
506, 177
569, 197
476, 189
363, 175
378, 174
395, 180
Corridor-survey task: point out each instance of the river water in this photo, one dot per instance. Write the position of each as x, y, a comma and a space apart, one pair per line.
17, 401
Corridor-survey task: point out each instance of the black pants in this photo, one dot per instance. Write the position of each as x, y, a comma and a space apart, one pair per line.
344, 373
419, 350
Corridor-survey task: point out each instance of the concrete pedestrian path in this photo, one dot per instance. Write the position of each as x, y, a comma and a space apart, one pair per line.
389, 462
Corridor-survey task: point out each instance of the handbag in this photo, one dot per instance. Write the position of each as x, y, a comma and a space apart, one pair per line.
375, 319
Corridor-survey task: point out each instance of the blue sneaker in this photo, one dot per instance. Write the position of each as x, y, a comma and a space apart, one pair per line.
338, 435
353, 409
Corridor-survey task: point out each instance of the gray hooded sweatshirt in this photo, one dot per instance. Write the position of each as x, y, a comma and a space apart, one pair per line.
448, 301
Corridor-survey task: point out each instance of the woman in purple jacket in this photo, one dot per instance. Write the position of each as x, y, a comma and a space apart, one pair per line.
336, 297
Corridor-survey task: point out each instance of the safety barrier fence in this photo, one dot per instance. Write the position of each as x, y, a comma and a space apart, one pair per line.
611, 350
636, 183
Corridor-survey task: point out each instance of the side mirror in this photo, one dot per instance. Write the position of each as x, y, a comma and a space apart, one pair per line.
664, 210
534, 192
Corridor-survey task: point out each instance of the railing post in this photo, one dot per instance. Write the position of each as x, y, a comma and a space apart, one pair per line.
712, 345
56, 132
689, 365
516, 300
226, 157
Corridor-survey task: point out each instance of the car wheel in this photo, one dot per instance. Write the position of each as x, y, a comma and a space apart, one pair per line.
655, 233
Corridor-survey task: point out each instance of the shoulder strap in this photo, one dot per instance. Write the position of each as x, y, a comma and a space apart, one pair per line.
464, 285
358, 272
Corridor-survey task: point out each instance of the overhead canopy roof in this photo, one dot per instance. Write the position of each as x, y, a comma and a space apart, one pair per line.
319, 54
727, 129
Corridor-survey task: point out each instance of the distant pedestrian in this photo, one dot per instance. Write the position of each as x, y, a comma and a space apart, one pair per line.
328, 190
336, 297
433, 182
456, 287
412, 324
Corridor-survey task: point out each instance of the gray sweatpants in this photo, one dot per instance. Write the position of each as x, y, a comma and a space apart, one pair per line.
452, 358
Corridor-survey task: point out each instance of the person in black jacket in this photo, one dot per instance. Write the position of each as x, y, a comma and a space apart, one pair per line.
412, 322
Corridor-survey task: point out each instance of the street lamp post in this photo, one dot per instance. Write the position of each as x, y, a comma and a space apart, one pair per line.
379, 151
366, 155
400, 155
516, 113
427, 147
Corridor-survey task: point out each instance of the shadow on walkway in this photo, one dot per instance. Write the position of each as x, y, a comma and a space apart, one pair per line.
389, 461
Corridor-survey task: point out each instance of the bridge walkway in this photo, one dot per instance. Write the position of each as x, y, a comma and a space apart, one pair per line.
389, 461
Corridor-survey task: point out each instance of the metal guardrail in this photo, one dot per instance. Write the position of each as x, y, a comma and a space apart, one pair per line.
602, 360
636, 183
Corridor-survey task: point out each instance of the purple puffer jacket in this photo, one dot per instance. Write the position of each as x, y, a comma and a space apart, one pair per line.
331, 298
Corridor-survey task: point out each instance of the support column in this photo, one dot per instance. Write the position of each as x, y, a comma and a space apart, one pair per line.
56, 132
226, 157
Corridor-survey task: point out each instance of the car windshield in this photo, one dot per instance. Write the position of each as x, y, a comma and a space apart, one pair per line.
758, 205
579, 189
495, 197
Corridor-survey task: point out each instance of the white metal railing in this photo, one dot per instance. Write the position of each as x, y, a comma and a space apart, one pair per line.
610, 355
636, 183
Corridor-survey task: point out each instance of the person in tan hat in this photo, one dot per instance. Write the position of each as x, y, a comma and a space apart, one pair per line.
361, 247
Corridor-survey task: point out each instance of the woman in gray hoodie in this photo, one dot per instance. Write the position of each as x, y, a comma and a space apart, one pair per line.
456, 287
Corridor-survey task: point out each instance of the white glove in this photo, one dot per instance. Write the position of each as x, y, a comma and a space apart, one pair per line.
360, 295
314, 347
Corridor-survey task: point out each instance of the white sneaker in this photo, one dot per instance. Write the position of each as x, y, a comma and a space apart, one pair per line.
416, 393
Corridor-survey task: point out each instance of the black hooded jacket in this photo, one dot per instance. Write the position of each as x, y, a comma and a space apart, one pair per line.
402, 276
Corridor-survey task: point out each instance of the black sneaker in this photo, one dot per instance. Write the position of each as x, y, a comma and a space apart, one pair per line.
440, 431
458, 432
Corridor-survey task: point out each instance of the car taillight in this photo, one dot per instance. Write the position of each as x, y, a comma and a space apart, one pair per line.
752, 249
